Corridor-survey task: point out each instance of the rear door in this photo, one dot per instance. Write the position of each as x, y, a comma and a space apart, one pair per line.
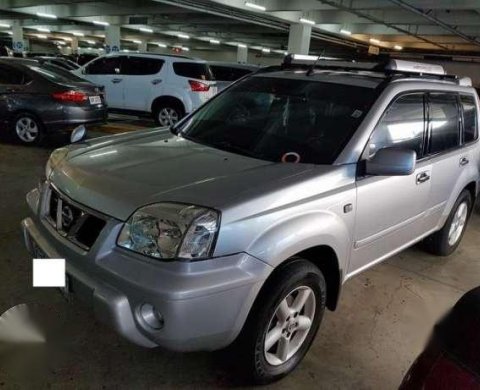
13, 89
105, 71
391, 209
143, 81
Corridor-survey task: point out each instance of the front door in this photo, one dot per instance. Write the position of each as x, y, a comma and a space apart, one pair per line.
391, 209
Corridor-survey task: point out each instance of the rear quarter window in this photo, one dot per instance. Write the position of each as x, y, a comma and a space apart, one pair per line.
193, 70
470, 118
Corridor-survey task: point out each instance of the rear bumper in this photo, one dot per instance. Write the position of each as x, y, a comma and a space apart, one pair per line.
74, 115
203, 304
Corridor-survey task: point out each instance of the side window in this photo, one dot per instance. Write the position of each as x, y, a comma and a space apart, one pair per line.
12, 76
402, 126
470, 125
443, 122
104, 65
137, 66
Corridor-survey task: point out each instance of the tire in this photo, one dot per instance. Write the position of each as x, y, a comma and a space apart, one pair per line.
167, 113
27, 129
262, 364
445, 241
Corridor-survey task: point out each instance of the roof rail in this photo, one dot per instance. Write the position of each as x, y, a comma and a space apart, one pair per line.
391, 68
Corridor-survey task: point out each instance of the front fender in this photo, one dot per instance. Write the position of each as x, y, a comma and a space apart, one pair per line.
301, 232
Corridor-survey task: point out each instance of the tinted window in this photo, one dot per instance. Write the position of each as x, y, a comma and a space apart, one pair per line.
12, 76
193, 70
402, 126
141, 66
289, 120
225, 73
55, 73
444, 122
104, 65
470, 125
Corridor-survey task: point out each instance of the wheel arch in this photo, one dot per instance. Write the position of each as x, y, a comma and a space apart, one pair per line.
167, 99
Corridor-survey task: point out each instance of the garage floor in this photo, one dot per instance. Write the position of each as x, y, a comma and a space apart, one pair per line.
383, 320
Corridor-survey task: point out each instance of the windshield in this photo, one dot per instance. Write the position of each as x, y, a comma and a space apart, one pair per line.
278, 119
55, 73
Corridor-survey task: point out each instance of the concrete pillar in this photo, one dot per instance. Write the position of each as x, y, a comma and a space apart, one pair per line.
299, 38
19, 45
142, 47
112, 39
74, 45
242, 54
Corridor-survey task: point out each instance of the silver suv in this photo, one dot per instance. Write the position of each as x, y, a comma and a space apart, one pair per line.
241, 227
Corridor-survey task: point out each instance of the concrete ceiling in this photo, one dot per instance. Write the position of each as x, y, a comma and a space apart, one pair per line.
433, 26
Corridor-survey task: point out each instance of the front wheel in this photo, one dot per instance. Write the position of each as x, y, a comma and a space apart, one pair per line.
283, 322
445, 241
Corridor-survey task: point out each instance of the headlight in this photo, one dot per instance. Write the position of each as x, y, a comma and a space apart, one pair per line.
57, 156
171, 230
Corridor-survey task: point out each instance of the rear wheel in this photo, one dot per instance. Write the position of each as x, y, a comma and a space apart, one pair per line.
445, 241
27, 129
167, 113
282, 323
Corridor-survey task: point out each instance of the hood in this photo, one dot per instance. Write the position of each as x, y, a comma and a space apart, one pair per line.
117, 175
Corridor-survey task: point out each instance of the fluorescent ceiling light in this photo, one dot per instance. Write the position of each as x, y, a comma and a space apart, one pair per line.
254, 6
375, 41
159, 44
345, 32
100, 23
398, 47
60, 43
78, 34
48, 16
147, 30
3, 25
184, 36
241, 45
67, 39
304, 57
9, 33
265, 50
41, 36
42, 29
136, 41
125, 50
307, 21
90, 42
184, 48
214, 41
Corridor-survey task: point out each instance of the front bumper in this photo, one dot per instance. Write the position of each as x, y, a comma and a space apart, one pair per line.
204, 304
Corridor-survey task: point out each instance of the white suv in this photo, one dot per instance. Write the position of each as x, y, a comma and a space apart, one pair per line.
167, 86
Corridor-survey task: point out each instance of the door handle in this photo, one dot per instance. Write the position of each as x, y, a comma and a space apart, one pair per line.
116, 81
423, 177
464, 161
156, 81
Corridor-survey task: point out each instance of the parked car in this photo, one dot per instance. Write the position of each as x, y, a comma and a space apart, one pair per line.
166, 86
226, 73
58, 61
451, 360
241, 227
36, 99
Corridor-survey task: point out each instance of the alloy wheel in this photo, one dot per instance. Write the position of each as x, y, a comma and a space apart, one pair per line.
458, 223
27, 129
167, 116
289, 325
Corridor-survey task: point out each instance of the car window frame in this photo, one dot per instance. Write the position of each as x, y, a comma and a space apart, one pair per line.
477, 135
125, 58
26, 80
120, 59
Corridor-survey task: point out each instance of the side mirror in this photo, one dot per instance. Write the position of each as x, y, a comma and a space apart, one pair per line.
78, 134
392, 162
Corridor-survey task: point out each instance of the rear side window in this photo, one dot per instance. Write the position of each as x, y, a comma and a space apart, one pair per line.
104, 65
402, 126
12, 76
225, 73
193, 70
137, 66
470, 125
444, 122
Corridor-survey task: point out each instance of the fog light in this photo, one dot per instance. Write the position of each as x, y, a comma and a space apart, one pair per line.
151, 316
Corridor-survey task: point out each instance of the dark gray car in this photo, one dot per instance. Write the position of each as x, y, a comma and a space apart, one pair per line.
36, 99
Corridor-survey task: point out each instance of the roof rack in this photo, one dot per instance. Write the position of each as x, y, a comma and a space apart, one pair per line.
391, 68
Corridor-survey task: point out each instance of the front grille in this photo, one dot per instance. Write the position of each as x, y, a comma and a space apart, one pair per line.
73, 222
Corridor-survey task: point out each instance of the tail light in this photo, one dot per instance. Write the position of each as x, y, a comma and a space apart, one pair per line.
197, 86
70, 96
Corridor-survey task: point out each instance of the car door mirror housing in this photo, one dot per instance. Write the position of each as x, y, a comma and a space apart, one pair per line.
392, 162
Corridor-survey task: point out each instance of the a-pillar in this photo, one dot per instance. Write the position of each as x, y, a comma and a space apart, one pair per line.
112, 39
299, 38
142, 47
19, 45
242, 54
